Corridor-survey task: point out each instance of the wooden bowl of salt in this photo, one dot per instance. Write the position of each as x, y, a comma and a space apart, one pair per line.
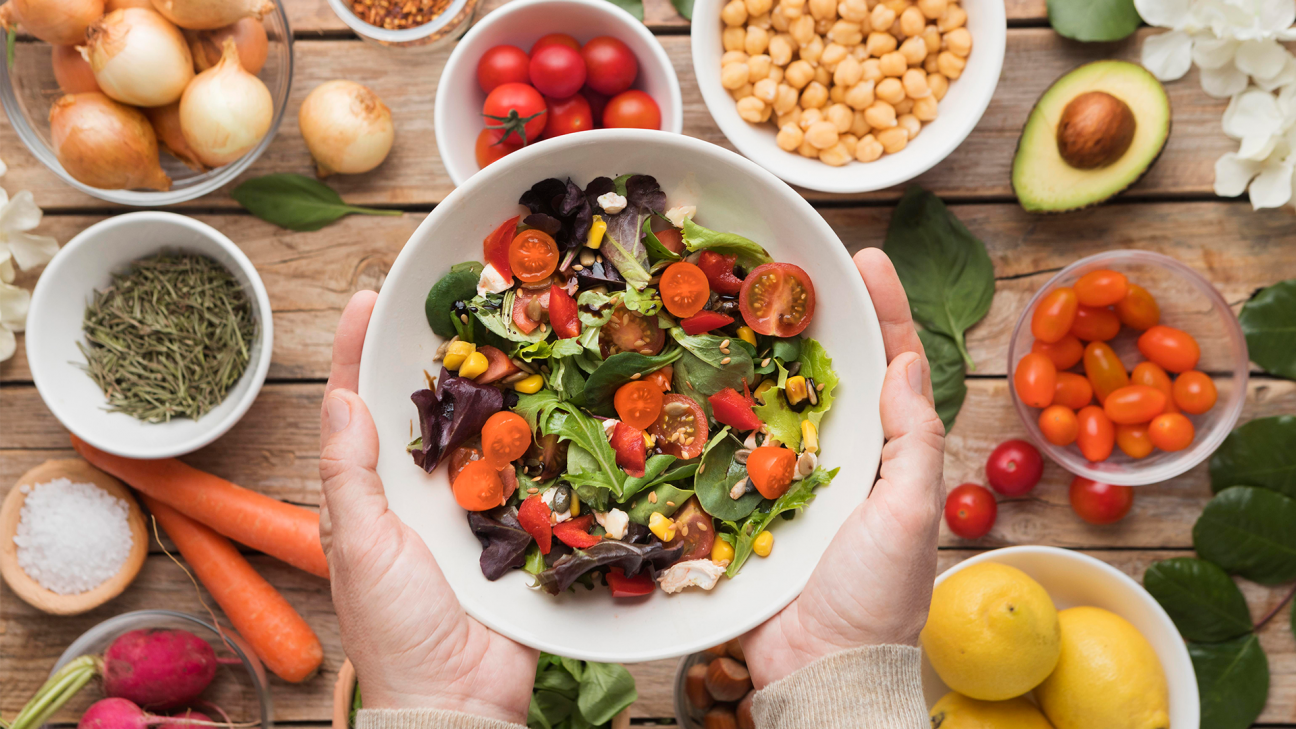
32, 591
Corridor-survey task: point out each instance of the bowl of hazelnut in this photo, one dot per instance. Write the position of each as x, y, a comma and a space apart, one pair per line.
714, 689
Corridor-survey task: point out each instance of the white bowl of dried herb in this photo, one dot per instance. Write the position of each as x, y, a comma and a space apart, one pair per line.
149, 335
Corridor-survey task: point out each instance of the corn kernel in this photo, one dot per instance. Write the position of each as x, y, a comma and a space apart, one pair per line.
474, 366
529, 385
456, 353
747, 335
597, 229
722, 552
663, 527
763, 544
763, 389
809, 437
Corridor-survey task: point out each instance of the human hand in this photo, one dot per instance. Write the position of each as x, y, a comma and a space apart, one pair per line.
874, 583
402, 627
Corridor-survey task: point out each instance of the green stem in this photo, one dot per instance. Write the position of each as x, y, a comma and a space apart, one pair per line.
61, 687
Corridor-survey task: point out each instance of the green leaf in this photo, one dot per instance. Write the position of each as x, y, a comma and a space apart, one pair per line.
783, 423
1261, 453
701, 371
947, 373
1233, 681
548, 708
460, 284
817, 365
605, 689
1249, 531
669, 498
558, 680
750, 253
1269, 322
617, 370
719, 473
587, 434
535, 409
787, 349
1093, 20
11, 43
684, 8
945, 270
574, 667
535, 562
657, 251
797, 497
499, 319
1200, 598
657, 470
296, 202
566, 379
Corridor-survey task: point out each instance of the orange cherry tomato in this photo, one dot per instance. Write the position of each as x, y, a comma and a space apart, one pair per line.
1173, 349
1035, 380
1059, 425
1095, 324
638, 403
1133, 439
533, 255
1073, 391
1104, 369
1101, 288
771, 469
684, 289
1065, 352
478, 486
661, 378
1134, 404
1138, 310
1171, 431
1151, 374
1194, 392
1097, 434
1054, 314
505, 438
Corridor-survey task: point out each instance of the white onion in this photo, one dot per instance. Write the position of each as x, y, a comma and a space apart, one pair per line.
211, 14
248, 34
60, 22
166, 122
105, 144
138, 57
72, 71
346, 127
225, 111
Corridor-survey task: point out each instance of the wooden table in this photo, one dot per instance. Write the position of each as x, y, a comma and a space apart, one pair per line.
311, 275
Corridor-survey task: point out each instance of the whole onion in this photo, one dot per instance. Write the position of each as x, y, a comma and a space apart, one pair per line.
111, 5
138, 57
105, 144
60, 22
248, 34
211, 14
72, 71
225, 111
166, 122
347, 128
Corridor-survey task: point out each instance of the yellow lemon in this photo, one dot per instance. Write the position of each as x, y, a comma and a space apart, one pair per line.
1107, 676
956, 711
992, 633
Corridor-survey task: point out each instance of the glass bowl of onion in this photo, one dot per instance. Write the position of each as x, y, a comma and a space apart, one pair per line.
144, 103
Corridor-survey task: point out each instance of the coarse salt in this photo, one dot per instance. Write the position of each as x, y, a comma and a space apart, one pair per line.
72, 537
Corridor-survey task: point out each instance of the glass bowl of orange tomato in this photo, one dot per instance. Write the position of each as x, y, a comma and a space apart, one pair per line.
1128, 368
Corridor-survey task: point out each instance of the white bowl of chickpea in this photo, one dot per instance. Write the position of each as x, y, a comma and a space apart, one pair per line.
847, 96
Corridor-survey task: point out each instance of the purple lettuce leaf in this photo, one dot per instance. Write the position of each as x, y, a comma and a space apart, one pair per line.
565, 203
451, 415
623, 243
631, 558
504, 541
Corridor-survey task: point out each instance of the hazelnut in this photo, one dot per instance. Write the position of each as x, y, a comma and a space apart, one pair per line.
1095, 130
734, 647
720, 717
745, 720
727, 680
695, 687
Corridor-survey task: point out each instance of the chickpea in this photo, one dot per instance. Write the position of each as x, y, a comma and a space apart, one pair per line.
789, 137
822, 134
897, 6
798, 74
925, 108
912, 22
848, 72
758, 7
890, 90
860, 127
733, 57
810, 117
734, 39
882, 17
861, 95
734, 13
959, 42
853, 10
894, 139
910, 124
846, 33
823, 9
757, 40
837, 95
950, 65
776, 73
761, 21
780, 51
823, 26
930, 65
869, 149
938, 85
880, 115
802, 30
841, 116
734, 75
810, 52
758, 67
832, 56
953, 17
915, 84
904, 106
871, 70
793, 9
765, 90
932, 9
895, 29
932, 39
859, 53
779, 21
893, 64
835, 155
808, 150
879, 44
815, 96
751, 109
914, 50
850, 141
823, 77
792, 117
741, 93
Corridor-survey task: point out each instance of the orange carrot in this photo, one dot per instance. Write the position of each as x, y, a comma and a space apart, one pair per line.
280, 637
283, 531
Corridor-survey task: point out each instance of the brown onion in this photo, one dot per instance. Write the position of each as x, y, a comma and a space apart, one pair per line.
138, 57
225, 111
72, 71
111, 5
211, 14
166, 122
105, 144
346, 127
248, 34
60, 22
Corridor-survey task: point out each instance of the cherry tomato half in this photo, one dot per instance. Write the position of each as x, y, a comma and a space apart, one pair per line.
533, 255
568, 115
1134, 404
1171, 431
1138, 310
970, 511
1054, 314
684, 289
777, 299
628, 331
505, 438
560, 39
661, 378
638, 403
514, 112
460, 457
489, 150
1194, 392
673, 239
1095, 325
1065, 352
1014, 467
1133, 440
502, 65
478, 486
557, 71
628, 442
771, 469
1104, 369
632, 109
612, 65
563, 314
681, 429
1100, 503
1035, 380
1073, 391
694, 531
1059, 425
1101, 288
1173, 349
1097, 434
1151, 374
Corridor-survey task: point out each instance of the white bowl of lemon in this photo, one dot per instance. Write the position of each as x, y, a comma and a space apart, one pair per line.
1041, 637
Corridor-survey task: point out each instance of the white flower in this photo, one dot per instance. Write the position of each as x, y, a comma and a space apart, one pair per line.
17, 216
1231, 41
13, 317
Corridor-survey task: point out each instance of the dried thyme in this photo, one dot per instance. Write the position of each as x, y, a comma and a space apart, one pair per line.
169, 337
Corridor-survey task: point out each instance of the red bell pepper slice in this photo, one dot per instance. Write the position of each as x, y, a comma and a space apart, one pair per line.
734, 410
533, 515
562, 313
704, 321
495, 247
622, 586
719, 271
575, 532
628, 442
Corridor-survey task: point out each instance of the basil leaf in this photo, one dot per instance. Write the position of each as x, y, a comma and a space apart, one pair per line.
617, 370
750, 253
296, 202
1233, 681
558, 680
1261, 453
574, 667
945, 269
1200, 598
460, 284
1248, 531
1093, 20
1269, 322
548, 709
947, 373
719, 473
605, 690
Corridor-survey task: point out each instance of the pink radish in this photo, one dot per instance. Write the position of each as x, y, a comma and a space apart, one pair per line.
158, 669
114, 714
187, 720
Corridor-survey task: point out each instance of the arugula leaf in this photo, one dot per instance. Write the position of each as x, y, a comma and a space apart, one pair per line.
1093, 20
617, 370
499, 319
535, 409
586, 434
1269, 322
1233, 681
945, 270
719, 473
296, 202
947, 373
565, 379
798, 496
1248, 531
1204, 603
605, 690
460, 284
1260, 453
545, 349
750, 253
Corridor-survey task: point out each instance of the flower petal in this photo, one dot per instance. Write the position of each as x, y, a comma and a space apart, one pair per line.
1168, 55
1223, 82
14, 301
1258, 147
1287, 104
20, 214
1252, 112
1277, 14
1233, 174
1261, 58
1163, 13
30, 251
1284, 77
1211, 52
8, 343
1271, 188
6, 266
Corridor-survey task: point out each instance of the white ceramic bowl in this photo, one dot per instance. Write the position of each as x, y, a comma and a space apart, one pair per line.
457, 117
54, 326
1073, 579
731, 194
960, 110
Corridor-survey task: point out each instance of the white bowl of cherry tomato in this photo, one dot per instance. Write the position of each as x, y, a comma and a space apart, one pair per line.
538, 69
1128, 368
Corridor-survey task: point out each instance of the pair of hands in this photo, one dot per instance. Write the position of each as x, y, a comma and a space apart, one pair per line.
413, 645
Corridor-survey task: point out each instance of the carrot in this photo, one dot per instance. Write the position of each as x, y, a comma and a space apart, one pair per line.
283, 531
278, 635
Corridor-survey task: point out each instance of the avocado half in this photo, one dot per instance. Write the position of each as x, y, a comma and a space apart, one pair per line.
1112, 134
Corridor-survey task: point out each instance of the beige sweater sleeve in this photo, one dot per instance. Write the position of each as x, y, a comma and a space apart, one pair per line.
426, 719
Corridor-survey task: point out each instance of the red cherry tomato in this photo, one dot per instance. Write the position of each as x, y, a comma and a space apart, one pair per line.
560, 39
681, 429
1133, 440
557, 71
1151, 374
514, 112
1065, 352
777, 299
1100, 503
628, 331
533, 255
1059, 425
771, 469
1073, 391
1101, 288
568, 115
1171, 431
1134, 404
1097, 434
622, 586
612, 65
719, 270
502, 65
970, 511
505, 438
684, 289
628, 442
460, 457
632, 109
1014, 468
1104, 369
489, 150
1194, 392
478, 487
1054, 314
563, 314
661, 378
1173, 349
1138, 310
598, 102
1035, 380
638, 403
1095, 325
528, 309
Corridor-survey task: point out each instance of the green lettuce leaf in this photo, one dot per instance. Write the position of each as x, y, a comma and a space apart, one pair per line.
750, 254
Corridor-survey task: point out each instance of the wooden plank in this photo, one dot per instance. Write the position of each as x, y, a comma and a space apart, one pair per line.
413, 174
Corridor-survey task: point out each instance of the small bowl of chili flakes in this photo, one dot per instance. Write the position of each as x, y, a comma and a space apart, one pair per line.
410, 24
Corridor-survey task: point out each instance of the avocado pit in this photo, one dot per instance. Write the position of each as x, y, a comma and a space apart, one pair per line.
1095, 130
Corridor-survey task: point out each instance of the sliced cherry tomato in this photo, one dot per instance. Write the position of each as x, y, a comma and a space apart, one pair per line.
661, 378
704, 321
1101, 288
478, 486
673, 239
638, 403
561, 39
502, 65
568, 115
1134, 404
694, 530
533, 255
549, 453
1095, 325
1054, 314
719, 271
681, 429
528, 309
1133, 440
777, 299
1100, 503
771, 469
1151, 374
489, 150
1097, 434
1171, 431
1138, 310
495, 247
1014, 467
1173, 349
508, 477
628, 442
622, 586
1073, 391
514, 112
563, 314
734, 409
575, 532
632, 109
612, 65
1194, 392
684, 289
533, 515
1104, 369
460, 457
557, 71
1035, 380
498, 366
505, 438
1059, 425
628, 331
1065, 352
970, 511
